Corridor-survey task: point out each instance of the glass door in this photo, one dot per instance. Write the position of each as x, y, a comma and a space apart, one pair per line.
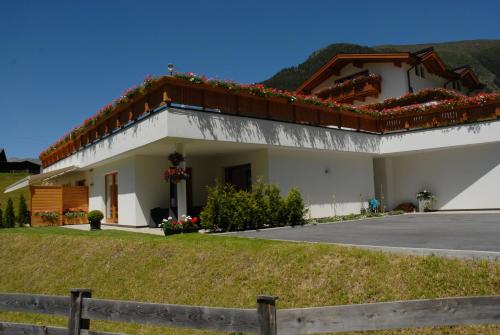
111, 197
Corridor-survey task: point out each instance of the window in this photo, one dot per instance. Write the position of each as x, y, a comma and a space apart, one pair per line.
240, 176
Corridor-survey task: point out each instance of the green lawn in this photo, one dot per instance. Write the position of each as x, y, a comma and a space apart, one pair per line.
5, 180
226, 271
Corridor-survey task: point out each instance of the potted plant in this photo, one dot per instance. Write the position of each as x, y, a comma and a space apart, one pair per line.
175, 174
425, 201
95, 218
176, 158
171, 226
186, 224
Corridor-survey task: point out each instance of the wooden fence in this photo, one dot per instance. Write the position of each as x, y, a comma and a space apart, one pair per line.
264, 319
58, 199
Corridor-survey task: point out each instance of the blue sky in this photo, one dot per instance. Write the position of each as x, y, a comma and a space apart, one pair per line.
60, 61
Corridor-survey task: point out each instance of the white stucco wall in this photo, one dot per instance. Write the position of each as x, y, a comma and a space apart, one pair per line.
320, 175
150, 187
430, 80
461, 178
127, 199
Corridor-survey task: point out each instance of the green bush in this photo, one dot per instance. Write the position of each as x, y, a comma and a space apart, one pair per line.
228, 209
23, 215
295, 208
275, 207
95, 216
9, 220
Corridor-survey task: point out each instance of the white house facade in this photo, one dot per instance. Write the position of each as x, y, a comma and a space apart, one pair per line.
336, 167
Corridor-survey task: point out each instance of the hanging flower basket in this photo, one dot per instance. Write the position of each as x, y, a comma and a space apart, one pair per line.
175, 174
176, 158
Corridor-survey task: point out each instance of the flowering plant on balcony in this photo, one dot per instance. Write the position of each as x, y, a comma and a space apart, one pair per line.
443, 105
175, 174
128, 95
186, 224
336, 88
420, 97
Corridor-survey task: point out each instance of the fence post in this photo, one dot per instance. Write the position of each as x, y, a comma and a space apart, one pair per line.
75, 321
266, 315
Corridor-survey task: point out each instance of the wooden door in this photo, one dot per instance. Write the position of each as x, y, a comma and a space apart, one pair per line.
111, 181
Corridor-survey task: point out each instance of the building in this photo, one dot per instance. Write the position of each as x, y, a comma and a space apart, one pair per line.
367, 78
339, 155
18, 166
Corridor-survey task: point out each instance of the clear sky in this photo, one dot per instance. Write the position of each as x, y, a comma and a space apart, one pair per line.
60, 61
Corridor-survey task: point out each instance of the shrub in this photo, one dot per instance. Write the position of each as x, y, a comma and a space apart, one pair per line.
228, 209
23, 215
9, 220
275, 206
95, 216
295, 208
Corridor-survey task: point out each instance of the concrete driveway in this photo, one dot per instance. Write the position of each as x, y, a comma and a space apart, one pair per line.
467, 235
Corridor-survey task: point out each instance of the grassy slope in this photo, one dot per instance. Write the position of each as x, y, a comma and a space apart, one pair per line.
482, 55
5, 180
226, 271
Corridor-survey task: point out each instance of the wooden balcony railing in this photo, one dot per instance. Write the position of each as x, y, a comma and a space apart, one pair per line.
437, 118
356, 89
173, 91
203, 97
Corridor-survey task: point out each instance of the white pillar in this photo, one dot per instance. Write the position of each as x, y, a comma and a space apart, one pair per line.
181, 186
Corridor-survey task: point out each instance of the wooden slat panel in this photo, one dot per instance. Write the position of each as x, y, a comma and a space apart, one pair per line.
390, 315
34, 303
9, 328
179, 316
46, 198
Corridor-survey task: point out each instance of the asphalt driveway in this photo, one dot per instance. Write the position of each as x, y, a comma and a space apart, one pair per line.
457, 231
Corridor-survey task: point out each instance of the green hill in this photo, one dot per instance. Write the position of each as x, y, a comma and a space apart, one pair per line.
482, 55
208, 270
7, 179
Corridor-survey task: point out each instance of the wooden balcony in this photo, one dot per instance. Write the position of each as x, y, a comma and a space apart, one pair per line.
175, 92
358, 88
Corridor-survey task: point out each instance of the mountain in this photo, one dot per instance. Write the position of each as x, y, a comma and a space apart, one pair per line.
482, 55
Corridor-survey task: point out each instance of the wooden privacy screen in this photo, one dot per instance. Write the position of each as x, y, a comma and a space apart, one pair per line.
58, 199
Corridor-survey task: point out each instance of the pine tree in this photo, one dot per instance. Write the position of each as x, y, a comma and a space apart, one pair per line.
22, 212
9, 217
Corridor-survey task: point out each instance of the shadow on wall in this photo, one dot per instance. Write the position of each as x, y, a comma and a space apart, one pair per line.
461, 178
244, 129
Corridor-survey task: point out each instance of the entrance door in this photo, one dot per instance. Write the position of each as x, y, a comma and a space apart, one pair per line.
111, 197
240, 176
